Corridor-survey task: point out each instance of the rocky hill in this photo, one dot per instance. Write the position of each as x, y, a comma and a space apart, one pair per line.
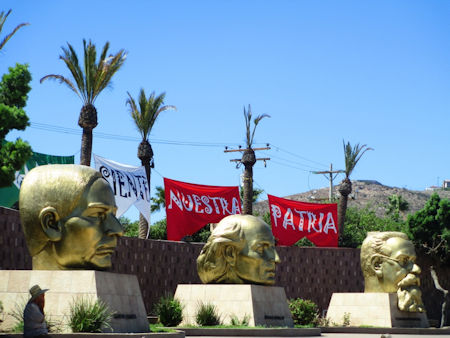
365, 193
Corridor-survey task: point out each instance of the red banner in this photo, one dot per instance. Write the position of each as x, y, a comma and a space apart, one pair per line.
292, 220
189, 207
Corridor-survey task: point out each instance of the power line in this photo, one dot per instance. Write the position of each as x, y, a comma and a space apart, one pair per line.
299, 156
73, 131
291, 162
65, 130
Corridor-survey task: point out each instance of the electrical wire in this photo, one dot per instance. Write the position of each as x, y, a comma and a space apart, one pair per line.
290, 161
65, 130
299, 156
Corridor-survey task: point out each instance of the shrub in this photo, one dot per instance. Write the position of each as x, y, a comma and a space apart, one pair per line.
236, 322
169, 311
304, 311
207, 315
87, 315
346, 319
17, 313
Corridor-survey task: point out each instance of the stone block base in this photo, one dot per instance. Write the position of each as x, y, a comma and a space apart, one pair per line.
372, 309
262, 305
119, 291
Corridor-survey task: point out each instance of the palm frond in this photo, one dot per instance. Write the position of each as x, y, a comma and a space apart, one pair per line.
248, 119
353, 155
70, 58
249, 135
107, 68
148, 111
3, 18
92, 77
61, 79
256, 121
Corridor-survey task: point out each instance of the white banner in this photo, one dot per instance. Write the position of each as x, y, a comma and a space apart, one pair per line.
129, 185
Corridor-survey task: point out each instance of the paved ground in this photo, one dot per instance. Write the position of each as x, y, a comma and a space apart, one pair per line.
351, 335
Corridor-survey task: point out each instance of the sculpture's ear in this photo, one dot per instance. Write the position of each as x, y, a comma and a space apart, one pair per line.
375, 265
230, 254
49, 219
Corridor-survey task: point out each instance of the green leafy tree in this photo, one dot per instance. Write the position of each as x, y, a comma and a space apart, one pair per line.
130, 229
144, 114
397, 205
358, 222
430, 232
256, 193
14, 88
3, 18
88, 82
249, 160
352, 155
430, 228
159, 230
159, 201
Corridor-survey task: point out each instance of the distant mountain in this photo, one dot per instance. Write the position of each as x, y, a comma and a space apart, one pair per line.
368, 193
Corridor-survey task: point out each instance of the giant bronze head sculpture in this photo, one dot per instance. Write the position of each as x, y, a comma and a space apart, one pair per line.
68, 217
388, 265
241, 249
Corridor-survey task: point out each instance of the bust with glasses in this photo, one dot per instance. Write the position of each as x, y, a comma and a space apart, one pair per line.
388, 265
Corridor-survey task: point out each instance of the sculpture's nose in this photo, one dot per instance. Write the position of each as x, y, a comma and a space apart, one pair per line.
416, 269
113, 226
276, 258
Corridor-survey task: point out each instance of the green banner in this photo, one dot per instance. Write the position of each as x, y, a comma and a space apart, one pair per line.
9, 196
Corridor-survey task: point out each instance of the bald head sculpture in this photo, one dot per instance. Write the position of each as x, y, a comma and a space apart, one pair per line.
241, 249
68, 217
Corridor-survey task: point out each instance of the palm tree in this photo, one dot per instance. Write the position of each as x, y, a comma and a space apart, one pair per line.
144, 116
249, 160
3, 18
352, 156
159, 201
89, 82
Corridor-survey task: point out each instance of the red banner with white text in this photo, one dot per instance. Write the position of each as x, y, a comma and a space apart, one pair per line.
189, 207
292, 220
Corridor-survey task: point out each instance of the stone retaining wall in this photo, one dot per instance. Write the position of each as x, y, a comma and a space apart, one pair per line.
309, 273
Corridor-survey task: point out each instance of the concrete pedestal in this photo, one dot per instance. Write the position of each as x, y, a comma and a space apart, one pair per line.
372, 309
119, 291
262, 305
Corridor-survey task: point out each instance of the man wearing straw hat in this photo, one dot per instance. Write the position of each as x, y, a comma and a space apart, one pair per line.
33, 315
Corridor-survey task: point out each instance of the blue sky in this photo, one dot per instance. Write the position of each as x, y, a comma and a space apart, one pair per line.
369, 72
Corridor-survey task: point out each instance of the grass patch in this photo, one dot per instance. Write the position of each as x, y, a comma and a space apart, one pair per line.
158, 327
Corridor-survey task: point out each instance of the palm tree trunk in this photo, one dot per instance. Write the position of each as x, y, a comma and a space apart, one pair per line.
248, 160
342, 211
143, 227
86, 147
248, 191
345, 189
143, 224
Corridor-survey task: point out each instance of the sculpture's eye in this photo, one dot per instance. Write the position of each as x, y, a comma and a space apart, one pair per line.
261, 248
100, 215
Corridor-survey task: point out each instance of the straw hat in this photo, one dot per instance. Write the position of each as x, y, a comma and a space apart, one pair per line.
35, 291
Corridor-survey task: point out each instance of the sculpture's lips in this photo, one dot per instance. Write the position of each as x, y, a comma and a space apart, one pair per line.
270, 272
104, 250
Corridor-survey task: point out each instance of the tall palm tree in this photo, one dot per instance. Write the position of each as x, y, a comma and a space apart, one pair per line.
159, 201
3, 18
144, 115
89, 82
249, 160
352, 156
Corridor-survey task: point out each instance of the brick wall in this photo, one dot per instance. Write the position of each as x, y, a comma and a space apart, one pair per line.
310, 273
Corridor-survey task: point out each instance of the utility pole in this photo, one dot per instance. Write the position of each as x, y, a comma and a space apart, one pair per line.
248, 160
330, 178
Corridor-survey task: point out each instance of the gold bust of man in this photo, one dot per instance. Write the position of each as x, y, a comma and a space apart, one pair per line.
240, 250
388, 265
68, 217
